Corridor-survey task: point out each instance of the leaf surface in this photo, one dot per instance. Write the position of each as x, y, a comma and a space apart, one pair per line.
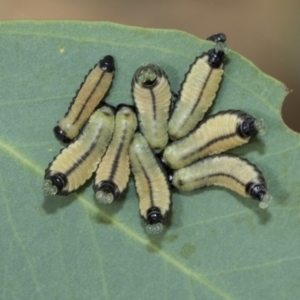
217, 246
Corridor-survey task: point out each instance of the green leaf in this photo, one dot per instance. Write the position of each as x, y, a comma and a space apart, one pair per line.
217, 246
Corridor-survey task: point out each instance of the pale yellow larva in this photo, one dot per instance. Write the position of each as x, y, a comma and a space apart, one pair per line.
74, 165
152, 95
228, 171
216, 134
151, 184
91, 92
198, 91
113, 172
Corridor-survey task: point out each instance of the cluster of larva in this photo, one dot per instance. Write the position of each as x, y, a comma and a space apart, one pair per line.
163, 146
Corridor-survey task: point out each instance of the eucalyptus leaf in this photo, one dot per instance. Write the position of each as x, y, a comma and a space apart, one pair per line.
218, 245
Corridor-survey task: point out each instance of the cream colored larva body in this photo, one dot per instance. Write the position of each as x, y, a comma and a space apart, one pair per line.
113, 172
228, 171
198, 90
87, 98
151, 184
152, 96
75, 164
218, 133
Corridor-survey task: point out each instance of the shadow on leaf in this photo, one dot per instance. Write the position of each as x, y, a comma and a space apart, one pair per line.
53, 203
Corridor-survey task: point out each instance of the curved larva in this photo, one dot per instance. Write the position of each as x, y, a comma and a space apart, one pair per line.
151, 184
75, 164
198, 91
216, 134
228, 171
113, 172
152, 95
91, 92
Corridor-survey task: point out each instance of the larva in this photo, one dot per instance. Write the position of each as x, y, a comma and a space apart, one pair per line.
75, 164
151, 184
198, 90
113, 172
228, 171
87, 98
152, 95
216, 134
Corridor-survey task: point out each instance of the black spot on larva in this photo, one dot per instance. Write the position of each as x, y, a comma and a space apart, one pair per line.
107, 113
180, 182
60, 135
154, 216
215, 58
59, 180
108, 187
107, 64
256, 191
247, 128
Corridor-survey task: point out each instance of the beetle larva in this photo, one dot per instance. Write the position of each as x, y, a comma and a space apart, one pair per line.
74, 165
152, 95
198, 90
228, 171
216, 134
113, 172
91, 92
151, 184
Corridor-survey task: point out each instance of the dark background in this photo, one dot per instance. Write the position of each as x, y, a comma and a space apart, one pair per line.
264, 31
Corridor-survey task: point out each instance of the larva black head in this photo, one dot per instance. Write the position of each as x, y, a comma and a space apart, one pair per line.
217, 38
106, 192
107, 64
53, 185
154, 221
260, 193
256, 191
247, 128
154, 216
59, 180
60, 135
215, 57
148, 75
